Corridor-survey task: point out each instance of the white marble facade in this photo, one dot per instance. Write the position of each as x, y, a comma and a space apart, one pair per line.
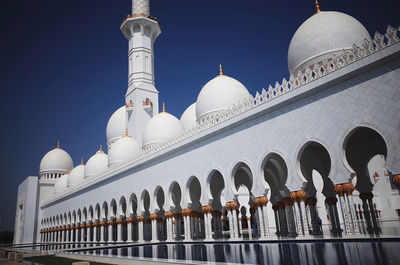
296, 159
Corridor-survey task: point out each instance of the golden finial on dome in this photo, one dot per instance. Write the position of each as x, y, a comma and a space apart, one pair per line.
101, 149
317, 6
220, 70
163, 107
126, 132
58, 144
82, 161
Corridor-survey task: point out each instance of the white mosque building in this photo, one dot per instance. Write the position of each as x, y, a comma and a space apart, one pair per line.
316, 153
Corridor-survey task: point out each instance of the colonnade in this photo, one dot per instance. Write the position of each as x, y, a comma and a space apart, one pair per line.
295, 215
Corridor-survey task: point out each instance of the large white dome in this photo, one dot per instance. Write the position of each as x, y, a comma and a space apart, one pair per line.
61, 183
76, 176
188, 118
123, 149
56, 161
219, 94
116, 125
96, 165
322, 35
160, 128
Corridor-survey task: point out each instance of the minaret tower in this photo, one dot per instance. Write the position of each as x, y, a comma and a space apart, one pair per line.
141, 98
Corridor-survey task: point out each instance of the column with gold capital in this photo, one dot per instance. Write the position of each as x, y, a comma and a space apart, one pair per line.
110, 224
348, 189
186, 221
153, 218
140, 220
343, 206
119, 230
296, 210
129, 224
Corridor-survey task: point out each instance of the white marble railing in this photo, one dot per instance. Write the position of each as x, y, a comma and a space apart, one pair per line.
327, 66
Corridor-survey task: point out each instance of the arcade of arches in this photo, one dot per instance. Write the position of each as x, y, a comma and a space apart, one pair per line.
245, 216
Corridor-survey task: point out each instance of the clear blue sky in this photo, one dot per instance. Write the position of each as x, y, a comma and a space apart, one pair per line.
63, 67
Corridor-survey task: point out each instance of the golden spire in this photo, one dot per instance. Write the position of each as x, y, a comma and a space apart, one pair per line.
101, 149
163, 107
82, 161
126, 132
220, 70
58, 144
317, 6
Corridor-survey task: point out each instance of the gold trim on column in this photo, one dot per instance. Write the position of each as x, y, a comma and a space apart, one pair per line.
339, 190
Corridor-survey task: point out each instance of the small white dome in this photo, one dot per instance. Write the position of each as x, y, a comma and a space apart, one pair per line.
160, 128
219, 94
123, 149
116, 125
188, 118
96, 165
76, 176
322, 35
56, 161
61, 183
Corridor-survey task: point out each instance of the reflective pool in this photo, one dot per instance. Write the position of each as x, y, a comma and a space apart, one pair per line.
269, 253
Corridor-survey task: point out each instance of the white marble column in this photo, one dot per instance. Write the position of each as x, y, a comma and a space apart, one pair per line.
240, 226
345, 214
88, 234
63, 235
230, 220
119, 231
168, 217
250, 230
343, 205
83, 228
167, 223
186, 222
67, 233
110, 232
304, 218
296, 209
102, 232
153, 218
209, 226
235, 223
140, 228
77, 234
348, 189
353, 214
266, 223
95, 239
172, 228
129, 226
260, 221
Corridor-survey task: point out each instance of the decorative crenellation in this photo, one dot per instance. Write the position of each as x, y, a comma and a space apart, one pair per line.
318, 70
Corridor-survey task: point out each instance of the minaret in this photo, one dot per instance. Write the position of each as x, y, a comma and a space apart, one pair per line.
141, 98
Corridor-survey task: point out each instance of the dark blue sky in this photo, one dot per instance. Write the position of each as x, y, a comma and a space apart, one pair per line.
63, 67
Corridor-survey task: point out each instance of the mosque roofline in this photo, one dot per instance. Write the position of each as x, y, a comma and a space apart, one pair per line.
372, 58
